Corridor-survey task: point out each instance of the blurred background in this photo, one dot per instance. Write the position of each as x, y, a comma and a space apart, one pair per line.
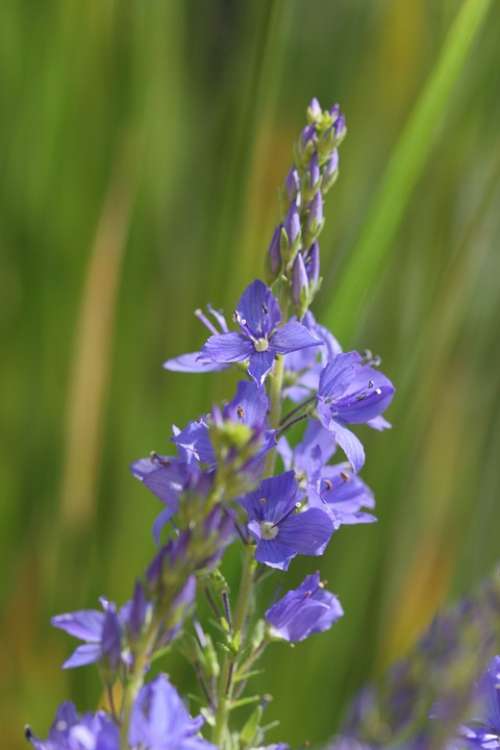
142, 145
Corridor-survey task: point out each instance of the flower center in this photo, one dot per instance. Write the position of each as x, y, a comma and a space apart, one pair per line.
268, 530
261, 345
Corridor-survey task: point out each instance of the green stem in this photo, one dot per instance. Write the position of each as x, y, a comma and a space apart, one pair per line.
240, 616
276, 384
134, 684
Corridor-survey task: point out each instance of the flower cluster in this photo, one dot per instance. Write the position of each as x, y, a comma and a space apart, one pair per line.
445, 693
234, 477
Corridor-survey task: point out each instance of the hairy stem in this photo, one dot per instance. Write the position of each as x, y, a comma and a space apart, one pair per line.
240, 616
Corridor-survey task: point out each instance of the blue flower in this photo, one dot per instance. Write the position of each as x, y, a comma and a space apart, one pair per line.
250, 407
303, 611
260, 338
279, 527
333, 488
484, 732
160, 720
303, 368
345, 495
351, 391
167, 477
69, 731
100, 631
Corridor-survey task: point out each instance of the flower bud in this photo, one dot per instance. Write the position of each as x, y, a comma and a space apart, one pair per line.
274, 255
292, 187
300, 286
315, 219
330, 171
314, 174
312, 265
340, 128
293, 233
314, 111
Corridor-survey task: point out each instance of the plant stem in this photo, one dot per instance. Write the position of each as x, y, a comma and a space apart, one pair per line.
276, 384
240, 616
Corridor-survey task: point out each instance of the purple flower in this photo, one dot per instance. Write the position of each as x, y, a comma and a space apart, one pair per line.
280, 531
160, 720
484, 732
344, 494
70, 731
249, 406
351, 391
308, 458
304, 611
167, 477
259, 340
332, 488
303, 368
100, 631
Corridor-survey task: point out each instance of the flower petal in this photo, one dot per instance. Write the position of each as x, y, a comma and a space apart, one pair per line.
350, 444
195, 439
86, 654
379, 423
258, 311
193, 362
273, 553
306, 533
228, 347
85, 624
291, 337
261, 364
249, 406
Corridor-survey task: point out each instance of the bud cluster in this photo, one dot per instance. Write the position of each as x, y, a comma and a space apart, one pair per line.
293, 254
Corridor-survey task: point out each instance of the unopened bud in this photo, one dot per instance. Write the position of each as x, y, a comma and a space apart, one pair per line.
314, 111
300, 286
312, 264
313, 172
292, 187
293, 233
330, 171
274, 255
315, 218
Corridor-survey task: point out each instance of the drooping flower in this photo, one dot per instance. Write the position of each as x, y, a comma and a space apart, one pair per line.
260, 338
351, 391
308, 458
279, 527
303, 368
333, 488
160, 720
69, 731
345, 496
303, 611
167, 477
100, 631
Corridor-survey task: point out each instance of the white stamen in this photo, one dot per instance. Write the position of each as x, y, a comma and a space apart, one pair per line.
261, 345
268, 530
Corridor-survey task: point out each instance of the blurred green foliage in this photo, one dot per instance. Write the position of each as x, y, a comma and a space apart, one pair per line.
142, 144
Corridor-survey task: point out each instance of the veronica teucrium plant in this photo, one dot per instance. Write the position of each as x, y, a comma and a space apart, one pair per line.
233, 478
